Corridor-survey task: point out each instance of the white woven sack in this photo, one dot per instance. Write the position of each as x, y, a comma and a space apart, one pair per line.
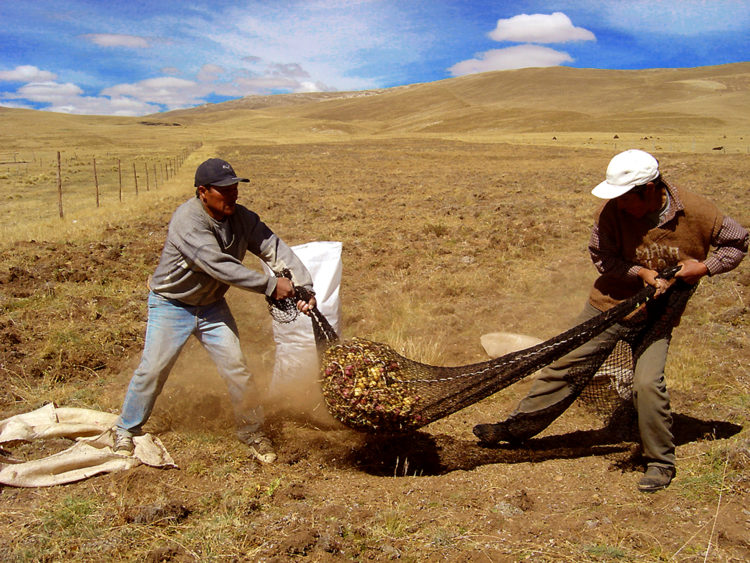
296, 364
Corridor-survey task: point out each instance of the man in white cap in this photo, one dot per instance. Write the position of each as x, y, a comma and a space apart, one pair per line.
645, 226
207, 240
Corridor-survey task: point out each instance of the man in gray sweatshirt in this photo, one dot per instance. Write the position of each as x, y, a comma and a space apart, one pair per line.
207, 240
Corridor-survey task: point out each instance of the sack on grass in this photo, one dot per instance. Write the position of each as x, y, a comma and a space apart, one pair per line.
90, 454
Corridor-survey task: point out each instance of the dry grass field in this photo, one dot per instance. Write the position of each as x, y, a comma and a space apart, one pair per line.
463, 207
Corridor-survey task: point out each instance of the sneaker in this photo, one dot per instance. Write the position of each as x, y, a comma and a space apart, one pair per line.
656, 478
123, 444
491, 434
261, 448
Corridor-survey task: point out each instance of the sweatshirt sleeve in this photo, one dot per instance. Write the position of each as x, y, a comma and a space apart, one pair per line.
278, 256
212, 258
200, 247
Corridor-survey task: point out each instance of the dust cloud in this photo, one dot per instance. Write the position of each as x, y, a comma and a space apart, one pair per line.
195, 396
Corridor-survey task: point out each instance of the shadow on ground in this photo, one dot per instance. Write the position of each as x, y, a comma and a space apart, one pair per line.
422, 454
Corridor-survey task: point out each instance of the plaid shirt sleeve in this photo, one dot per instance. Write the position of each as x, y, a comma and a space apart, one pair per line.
730, 247
730, 243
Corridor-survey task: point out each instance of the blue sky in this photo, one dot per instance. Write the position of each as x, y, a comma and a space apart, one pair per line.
134, 57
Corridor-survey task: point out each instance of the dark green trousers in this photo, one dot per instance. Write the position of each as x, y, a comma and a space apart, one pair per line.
556, 387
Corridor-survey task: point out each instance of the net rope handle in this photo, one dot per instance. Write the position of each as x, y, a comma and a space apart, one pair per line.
560, 344
511, 365
324, 333
326, 336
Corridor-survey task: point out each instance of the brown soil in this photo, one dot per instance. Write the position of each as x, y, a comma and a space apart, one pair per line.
444, 244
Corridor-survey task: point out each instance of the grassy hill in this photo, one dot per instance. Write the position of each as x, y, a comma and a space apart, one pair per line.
548, 99
705, 102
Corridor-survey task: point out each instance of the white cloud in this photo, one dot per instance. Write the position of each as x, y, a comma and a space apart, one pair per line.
155, 94
125, 107
235, 50
256, 85
329, 41
47, 92
263, 79
311, 33
169, 91
15, 105
291, 70
312, 87
118, 40
209, 73
520, 56
525, 28
67, 98
26, 73
540, 28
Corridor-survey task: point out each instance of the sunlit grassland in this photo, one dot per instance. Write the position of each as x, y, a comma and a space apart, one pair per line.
443, 241
456, 238
102, 184
114, 152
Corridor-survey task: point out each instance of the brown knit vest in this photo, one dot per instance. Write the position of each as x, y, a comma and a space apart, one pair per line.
686, 235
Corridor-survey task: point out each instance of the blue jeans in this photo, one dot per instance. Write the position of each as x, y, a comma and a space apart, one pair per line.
170, 324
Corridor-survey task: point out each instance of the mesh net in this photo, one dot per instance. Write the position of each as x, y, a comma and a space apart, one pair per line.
612, 383
607, 386
370, 387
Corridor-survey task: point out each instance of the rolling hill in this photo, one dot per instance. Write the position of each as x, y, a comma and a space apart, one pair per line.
708, 101
526, 100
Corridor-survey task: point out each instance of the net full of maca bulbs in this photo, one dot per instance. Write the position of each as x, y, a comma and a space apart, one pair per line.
364, 387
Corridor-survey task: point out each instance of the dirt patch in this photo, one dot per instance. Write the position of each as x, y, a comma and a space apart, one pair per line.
443, 242
162, 513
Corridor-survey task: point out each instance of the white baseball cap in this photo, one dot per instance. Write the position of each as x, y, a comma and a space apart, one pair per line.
625, 171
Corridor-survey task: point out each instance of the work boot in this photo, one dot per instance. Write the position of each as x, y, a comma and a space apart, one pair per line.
656, 478
123, 444
260, 446
491, 434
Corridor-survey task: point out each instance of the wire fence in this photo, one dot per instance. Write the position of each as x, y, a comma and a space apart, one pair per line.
42, 184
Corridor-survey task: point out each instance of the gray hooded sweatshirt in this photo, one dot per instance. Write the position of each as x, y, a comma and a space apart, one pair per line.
202, 257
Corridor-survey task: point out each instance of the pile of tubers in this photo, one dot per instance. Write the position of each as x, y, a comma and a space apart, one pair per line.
366, 388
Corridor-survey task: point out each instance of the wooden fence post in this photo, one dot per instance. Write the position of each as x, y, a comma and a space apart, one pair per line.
156, 178
96, 184
59, 186
135, 178
119, 177
145, 167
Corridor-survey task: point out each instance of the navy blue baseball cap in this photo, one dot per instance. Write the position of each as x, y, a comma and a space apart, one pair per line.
216, 172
